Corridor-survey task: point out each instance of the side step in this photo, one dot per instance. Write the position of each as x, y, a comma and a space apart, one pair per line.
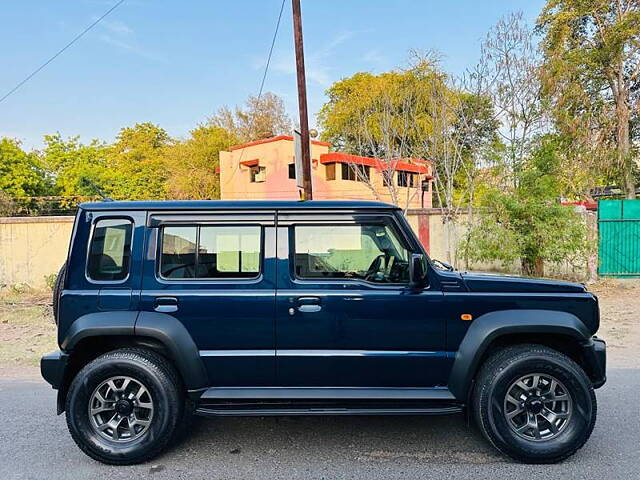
271, 412
285, 401
327, 393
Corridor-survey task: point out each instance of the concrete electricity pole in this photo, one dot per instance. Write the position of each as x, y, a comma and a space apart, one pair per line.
302, 101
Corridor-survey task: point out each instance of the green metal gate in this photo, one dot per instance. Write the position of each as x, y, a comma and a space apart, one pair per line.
619, 238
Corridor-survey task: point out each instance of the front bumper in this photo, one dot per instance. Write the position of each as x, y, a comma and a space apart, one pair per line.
53, 366
595, 355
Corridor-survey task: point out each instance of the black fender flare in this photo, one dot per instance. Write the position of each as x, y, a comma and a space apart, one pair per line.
490, 326
120, 323
164, 328
174, 336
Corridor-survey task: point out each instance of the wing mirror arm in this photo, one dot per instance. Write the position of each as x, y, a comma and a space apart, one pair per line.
417, 273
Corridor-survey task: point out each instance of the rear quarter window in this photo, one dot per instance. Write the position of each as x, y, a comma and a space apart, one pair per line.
110, 250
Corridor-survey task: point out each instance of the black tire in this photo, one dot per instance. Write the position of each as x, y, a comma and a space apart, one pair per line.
496, 377
161, 380
57, 290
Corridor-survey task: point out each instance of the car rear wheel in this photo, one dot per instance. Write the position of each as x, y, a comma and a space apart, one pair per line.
534, 404
123, 407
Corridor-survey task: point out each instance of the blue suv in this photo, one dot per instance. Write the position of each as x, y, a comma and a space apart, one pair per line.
169, 309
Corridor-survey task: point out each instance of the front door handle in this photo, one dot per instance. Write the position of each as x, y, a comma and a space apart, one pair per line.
165, 304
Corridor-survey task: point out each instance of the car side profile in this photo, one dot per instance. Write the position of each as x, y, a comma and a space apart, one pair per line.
215, 308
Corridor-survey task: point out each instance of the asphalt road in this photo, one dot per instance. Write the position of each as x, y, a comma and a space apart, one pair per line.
35, 444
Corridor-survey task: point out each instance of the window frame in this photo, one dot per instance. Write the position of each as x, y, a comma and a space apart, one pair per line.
359, 172
94, 224
387, 221
256, 170
411, 179
198, 226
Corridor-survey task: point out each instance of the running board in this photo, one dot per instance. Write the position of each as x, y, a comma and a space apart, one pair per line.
327, 393
270, 412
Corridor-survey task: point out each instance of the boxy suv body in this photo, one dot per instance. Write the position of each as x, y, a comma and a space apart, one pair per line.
166, 309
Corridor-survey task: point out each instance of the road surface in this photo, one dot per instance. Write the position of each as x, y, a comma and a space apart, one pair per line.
35, 444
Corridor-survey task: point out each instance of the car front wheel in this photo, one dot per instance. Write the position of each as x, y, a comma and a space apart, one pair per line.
534, 404
122, 408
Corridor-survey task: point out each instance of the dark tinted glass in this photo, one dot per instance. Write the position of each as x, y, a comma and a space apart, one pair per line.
110, 251
178, 259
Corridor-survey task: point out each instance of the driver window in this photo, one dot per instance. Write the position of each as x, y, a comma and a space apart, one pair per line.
370, 252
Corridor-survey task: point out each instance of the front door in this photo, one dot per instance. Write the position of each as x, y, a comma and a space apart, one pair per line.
345, 314
216, 275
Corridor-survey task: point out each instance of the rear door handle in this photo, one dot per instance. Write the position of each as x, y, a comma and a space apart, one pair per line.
307, 305
309, 308
165, 304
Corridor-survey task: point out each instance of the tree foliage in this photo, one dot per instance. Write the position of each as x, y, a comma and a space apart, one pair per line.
528, 223
591, 73
22, 176
135, 163
192, 164
77, 170
259, 118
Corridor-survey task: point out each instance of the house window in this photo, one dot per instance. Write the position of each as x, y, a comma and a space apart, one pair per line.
331, 171
359, 173
292, 171
387, 178
425, 185
406, 179
258, 174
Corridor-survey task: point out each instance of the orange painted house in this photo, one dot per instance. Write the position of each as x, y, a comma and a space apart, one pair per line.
265, 169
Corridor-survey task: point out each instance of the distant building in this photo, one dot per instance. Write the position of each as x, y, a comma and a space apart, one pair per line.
265, 169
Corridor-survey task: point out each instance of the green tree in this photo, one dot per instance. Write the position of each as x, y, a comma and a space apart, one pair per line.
78, 170
260, 118
528, 223
21, 177
135, 163
192, 163
591, 72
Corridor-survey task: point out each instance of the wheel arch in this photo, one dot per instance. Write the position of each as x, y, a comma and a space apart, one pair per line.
97, 333
562, 331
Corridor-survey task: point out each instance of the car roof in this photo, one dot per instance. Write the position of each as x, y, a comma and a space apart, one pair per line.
236, 205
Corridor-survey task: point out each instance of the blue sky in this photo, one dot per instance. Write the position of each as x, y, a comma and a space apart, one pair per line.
175, 62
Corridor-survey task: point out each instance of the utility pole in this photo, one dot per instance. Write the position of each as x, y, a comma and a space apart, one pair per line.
302, 101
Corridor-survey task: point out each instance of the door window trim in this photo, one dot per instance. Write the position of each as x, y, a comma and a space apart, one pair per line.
90, 243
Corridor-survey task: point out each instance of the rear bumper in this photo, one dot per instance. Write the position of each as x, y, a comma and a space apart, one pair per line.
52, 368
595, 356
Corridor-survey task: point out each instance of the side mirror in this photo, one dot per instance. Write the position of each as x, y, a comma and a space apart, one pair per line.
416, 270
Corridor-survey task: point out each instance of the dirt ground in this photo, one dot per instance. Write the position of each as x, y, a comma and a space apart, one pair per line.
27, 329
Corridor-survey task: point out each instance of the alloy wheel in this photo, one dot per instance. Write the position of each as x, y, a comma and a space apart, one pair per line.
537, 407
121, 409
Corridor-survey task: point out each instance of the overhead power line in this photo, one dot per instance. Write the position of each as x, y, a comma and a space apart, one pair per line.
59, 52
264, 78
273, 42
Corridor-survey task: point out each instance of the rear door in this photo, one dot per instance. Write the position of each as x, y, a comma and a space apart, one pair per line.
345, 315
215, 274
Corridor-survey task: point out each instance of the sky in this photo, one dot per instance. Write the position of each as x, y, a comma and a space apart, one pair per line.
174, 63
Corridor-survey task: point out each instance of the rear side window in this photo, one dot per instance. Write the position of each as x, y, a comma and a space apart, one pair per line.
110, 250
214, 252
